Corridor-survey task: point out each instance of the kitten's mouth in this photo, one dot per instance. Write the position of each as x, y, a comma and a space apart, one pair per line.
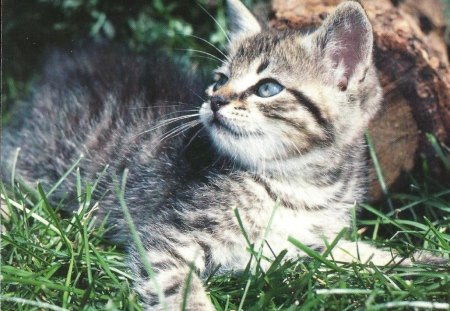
222, 125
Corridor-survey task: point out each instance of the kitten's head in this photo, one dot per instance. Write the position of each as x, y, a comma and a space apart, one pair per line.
283, 94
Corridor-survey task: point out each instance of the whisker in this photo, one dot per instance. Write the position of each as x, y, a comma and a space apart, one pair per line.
219, 158
167, 122
202, 52
173, 131
150, 107
171, 120
182, 117
209, 56
215, 20
178, 111
195, 93
192, 139
204, 57
161, 119
174, 104
210, 44
178, 130
169, 113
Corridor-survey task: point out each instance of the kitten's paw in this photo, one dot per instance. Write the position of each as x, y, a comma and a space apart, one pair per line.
173, 293
429, 258
196, 303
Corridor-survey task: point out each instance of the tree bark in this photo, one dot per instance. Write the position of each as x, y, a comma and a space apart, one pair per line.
411, 57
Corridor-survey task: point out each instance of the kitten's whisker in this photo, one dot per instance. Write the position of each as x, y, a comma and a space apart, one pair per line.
173, 101
217, 23
209, 57
210, 44
162, 117
150, 107
204, 57
202, 52
201, 98
178, 130
175, 112
175, 104
167, 122
171, 120
217, 161
296, 147
173, 131
192, 138
178, 102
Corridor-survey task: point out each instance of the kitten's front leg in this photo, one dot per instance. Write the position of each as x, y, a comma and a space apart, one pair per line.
347, 251
175, 265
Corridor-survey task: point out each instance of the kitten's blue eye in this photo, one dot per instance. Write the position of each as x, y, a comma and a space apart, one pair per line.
269, 89
220, 80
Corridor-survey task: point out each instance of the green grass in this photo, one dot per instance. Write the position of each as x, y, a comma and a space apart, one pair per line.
51, 261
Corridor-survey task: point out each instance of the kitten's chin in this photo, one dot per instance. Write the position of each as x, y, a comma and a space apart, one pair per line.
252, 152
224, 128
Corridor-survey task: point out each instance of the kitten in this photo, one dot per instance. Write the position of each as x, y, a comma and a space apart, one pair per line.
282, 126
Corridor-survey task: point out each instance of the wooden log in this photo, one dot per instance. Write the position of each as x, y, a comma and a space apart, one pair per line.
411, 57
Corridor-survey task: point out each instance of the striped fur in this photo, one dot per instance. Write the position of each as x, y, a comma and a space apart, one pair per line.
302, 148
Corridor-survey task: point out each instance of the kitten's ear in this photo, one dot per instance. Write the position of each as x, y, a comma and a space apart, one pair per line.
242, 22
345, 41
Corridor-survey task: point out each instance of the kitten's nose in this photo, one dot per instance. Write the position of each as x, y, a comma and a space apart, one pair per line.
217, 102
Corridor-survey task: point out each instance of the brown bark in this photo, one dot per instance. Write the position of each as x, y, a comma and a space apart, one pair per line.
411, 57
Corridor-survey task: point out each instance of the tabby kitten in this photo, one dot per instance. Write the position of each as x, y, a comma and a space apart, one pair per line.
282, 126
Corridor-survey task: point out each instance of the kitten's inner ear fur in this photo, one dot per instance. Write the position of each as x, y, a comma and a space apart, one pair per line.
242, 23
345, 41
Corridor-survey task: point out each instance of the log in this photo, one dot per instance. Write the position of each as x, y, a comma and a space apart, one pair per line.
413, 64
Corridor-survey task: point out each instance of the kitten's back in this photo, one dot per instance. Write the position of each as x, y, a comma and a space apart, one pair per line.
102, 103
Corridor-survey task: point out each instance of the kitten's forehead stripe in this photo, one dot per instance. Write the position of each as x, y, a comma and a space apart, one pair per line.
254, 47
263, 66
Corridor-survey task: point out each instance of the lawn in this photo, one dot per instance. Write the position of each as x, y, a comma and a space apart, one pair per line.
55, 261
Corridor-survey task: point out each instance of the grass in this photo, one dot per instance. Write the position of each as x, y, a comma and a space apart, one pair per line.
50, 260
54, 262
